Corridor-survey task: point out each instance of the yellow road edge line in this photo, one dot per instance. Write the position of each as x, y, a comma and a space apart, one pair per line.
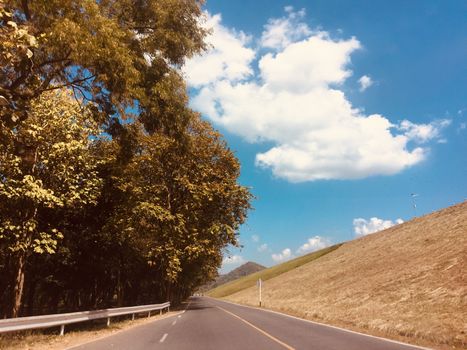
258, 329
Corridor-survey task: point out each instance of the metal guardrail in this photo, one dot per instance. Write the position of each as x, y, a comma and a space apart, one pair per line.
45, 321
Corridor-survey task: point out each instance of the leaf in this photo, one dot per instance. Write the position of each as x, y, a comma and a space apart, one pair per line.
3, 101
12, 24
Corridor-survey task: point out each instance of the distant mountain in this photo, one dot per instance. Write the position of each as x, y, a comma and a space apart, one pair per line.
243, 270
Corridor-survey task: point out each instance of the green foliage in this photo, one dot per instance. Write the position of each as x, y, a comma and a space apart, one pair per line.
184, 199
16, 45
110, 52
45, 164
251, 280
112, 191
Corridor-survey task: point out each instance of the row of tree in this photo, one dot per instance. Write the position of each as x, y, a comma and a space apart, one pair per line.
112, 191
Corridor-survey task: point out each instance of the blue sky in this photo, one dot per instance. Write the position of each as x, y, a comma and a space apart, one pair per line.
338, 112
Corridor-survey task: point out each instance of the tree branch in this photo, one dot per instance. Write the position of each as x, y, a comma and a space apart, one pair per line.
58, 60
24, 3
72, 83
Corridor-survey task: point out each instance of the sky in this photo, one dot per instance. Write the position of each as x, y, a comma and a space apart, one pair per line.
347, 117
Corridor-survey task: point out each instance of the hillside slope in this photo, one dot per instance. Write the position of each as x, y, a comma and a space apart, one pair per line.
407, 281
243, 270
266, 274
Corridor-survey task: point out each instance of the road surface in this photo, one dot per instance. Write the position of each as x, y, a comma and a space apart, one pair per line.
213, 324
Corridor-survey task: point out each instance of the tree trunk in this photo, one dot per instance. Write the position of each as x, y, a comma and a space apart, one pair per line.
119, 287
168, 291
31, 293
18, 284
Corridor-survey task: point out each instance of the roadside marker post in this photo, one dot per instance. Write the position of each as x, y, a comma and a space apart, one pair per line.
260, 284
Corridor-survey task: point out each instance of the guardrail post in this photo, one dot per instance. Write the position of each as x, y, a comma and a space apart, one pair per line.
132, 317
168, 308
149, 314
160, 312
108, 321
62, 329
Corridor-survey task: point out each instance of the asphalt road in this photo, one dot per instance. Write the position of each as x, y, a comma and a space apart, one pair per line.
212, 324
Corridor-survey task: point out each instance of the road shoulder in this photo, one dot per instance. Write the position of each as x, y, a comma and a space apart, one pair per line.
72, 339
347, 328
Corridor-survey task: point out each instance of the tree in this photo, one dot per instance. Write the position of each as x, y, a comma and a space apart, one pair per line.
136, 211
16, 44
163, 218
46, 163
118, 54
184, 202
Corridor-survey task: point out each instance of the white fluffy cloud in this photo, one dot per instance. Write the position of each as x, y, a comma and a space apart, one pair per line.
423, 132
364, 227
365, 82
286, 254
263, 247
229, 57
313, 244
295, 102
232, 260
301, 67
281, 32
255, 238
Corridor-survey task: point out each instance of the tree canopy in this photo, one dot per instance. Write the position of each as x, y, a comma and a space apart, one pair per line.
116, 53
112, 190
46, 164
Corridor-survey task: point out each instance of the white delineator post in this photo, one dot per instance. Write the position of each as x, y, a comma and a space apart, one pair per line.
260, 284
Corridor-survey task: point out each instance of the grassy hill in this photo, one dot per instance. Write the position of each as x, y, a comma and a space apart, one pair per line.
266, 274
407, 282
243, 270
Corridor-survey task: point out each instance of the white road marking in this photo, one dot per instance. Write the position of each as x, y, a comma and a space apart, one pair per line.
322, 324
163, 338
173, 323
119, 331
179, 316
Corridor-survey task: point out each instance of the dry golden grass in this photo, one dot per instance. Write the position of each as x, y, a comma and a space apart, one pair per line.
409, 281
50, 340
266, 274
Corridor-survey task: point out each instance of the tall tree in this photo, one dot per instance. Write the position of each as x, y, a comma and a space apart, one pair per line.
184, 202
118, 54
45, 164
142, 212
